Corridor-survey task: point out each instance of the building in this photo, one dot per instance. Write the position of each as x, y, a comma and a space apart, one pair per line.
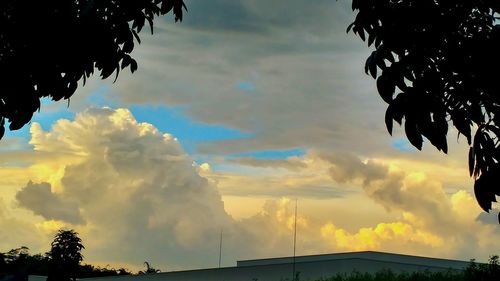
309, 268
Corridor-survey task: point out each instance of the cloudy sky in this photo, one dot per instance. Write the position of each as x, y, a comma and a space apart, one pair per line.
243, 108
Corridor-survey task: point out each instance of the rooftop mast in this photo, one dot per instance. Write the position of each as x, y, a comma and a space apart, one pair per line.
220, 247
294, 241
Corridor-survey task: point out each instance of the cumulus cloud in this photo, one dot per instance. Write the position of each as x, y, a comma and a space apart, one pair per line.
141, 197
396, 189
347, 167
430, 219
427, 219
131, 183
40, 199
388, 236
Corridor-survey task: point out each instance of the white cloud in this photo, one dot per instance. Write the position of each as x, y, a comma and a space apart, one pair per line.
140, 197
132, 183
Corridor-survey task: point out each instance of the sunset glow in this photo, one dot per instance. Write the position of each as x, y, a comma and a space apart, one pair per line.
233, 115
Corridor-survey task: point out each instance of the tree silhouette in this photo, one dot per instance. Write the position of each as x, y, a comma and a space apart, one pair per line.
439, 63
65, 256
19, 262
47, 47
149, 269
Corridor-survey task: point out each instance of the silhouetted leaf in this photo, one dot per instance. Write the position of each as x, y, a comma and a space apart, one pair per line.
150, 21
378, 41
133, 65
471, 161
126, 61
128, 46
371, 39
71, 89
372, 64
386, 88
413, 134
389, 117
107, 70
482, 192
462, 126
117, 70
349, 28
361, 33
136, 36
166, 6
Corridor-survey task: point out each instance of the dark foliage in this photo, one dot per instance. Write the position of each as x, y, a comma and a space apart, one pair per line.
19, 262
475, 272
436, 62
484, 272
47, 47
65, 256
88, 271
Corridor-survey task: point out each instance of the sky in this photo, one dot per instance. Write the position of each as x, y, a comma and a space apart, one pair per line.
235, 114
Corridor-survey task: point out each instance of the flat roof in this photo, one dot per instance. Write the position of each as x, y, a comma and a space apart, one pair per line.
365, 255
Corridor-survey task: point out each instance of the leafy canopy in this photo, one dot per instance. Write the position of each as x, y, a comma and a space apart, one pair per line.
437, 62
65, 256
46, 47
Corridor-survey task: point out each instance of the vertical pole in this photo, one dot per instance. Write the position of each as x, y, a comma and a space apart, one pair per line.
220, 247
294, 240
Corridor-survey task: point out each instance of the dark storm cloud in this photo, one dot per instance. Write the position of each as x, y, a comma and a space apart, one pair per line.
223, 15
256, 16
39, 198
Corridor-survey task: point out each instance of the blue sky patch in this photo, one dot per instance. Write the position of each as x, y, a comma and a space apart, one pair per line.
271, 154
403, 145
246, 86
173, 120
102, 97
46, 117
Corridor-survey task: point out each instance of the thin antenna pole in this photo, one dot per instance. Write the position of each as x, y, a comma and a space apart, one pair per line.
220, 247
294, 240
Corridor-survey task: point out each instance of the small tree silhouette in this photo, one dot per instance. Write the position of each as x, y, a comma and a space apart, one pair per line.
65, 256
149, 269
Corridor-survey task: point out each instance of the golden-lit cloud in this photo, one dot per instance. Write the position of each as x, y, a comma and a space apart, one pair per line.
423, 217
134, 194
391, 236
128, 182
